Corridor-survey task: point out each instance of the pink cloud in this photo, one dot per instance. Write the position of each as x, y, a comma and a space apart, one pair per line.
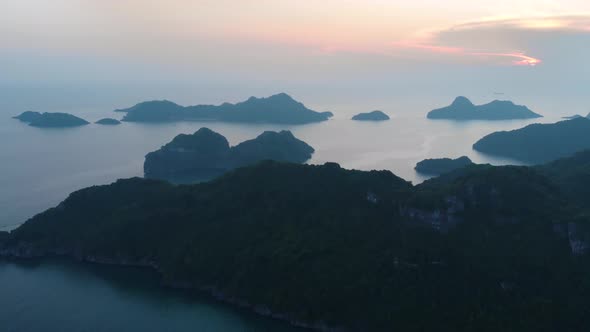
489, 39
519, 58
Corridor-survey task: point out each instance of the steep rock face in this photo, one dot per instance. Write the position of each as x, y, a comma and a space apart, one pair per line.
539, 143
497, 240
578, 238
463, 109
280, 108
496, 195
207, 154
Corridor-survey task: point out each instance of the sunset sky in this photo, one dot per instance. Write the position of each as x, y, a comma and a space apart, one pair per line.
216, 44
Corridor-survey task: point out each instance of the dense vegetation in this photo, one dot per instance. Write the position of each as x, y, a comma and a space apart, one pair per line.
371, 116
206, 154
360, 250
49, 120
280, 108
572, 173
539, 143
463, 109
442, 165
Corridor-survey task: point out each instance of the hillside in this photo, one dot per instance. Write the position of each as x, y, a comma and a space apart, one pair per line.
463, 109
280, 108
325, 246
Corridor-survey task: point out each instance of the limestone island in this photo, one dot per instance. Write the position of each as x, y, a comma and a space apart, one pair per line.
280, 109
491, 249
51, 120
371, 116
539, 143
108, 122
442, 165
575, 116
206, 154
463, 109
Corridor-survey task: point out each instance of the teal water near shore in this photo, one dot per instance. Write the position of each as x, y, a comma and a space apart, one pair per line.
59, 295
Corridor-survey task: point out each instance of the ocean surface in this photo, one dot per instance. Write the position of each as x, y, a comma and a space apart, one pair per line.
40, 167
62, 296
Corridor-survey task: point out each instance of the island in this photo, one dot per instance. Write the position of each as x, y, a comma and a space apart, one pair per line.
280, 109
206, 154
28, 116
538, 143
442, 165
332, 249
575, 116
371, 116
463, 109
51, 120
108, 122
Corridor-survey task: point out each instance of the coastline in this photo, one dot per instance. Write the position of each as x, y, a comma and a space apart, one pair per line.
25, 252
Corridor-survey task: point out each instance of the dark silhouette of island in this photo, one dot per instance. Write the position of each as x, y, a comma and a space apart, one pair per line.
51, 120
108, 122
371, 116
28, 116
575, 116
442, 165
539, 143
327, 114
206, 154
280, 108
341, 250
463, 109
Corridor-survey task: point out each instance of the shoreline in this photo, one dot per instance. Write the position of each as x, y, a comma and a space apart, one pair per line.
28, 253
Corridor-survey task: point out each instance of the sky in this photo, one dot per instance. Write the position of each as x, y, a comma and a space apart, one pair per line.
101, 53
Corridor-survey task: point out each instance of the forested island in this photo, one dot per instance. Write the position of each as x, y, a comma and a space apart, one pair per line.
463, 109
108, 122
280, 108
539, 143
442, 165
206, 154
371, 116
51, 120
482, 248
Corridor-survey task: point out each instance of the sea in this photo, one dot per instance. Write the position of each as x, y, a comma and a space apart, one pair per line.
39, 168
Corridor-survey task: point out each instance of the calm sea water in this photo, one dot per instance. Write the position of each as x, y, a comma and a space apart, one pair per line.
63, 296
40, 167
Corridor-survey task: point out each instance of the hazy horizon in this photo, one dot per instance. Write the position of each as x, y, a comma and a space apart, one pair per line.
74, 55
459, 219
